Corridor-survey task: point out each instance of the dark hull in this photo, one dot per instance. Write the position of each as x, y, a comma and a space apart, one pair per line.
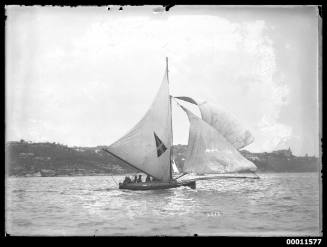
157, 185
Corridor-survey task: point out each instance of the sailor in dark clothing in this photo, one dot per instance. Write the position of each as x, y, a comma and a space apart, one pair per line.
135, 179
127, 180
148, 179
139, 180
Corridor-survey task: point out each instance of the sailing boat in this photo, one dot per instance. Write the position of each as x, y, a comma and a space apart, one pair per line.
148, 146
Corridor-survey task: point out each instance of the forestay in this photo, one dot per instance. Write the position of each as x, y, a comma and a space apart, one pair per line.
209, 152
147, 146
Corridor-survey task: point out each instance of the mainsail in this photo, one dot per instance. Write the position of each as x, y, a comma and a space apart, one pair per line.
209, 152
148, 145
224, 122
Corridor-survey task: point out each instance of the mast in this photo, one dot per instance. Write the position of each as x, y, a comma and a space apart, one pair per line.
147, 145
171, 126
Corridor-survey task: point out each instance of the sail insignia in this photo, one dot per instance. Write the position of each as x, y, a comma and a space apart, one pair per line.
161, 148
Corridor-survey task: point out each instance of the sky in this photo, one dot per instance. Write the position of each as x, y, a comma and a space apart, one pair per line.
84, 76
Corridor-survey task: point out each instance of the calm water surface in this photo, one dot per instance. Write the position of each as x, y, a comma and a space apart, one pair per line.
276, 204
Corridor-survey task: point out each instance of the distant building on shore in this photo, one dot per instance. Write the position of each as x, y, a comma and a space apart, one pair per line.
284, 152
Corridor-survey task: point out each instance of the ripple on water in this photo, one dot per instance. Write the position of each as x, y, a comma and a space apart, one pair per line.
83, 205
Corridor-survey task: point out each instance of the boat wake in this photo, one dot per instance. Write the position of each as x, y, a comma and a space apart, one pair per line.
219, 176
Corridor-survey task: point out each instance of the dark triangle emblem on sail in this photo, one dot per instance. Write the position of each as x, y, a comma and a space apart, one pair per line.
161, 148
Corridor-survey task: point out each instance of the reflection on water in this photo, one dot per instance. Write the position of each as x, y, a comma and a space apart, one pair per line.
276, 204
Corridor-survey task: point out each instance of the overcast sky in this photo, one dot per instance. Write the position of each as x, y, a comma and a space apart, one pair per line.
84, 76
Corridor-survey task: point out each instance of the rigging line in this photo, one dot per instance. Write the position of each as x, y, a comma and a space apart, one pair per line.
185, 173
176, 100
114, 180
181, 106
255, 174
106, 150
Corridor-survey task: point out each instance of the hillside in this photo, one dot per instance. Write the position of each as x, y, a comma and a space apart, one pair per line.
53, 159
28, 158
277, 161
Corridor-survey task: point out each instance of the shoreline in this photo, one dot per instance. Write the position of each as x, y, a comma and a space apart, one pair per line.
132, 174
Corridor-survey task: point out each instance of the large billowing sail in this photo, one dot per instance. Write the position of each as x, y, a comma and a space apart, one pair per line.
209, 152
147, 146
224, 122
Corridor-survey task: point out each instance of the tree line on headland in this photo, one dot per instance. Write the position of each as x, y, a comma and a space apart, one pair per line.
54, 159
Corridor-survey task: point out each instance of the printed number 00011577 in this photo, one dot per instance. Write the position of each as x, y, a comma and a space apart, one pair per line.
303, 241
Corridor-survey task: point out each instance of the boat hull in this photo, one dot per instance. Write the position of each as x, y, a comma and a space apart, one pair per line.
157, 185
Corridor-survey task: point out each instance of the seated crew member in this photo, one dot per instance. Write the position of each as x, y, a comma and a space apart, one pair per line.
125, 181
128, 180
135, 179
139, 180
148, 179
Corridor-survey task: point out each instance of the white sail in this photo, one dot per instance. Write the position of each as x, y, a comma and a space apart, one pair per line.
209, 152
226, 124
147, 146
174, 166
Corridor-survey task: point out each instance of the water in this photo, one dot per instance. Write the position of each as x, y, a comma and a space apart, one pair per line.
275, 205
